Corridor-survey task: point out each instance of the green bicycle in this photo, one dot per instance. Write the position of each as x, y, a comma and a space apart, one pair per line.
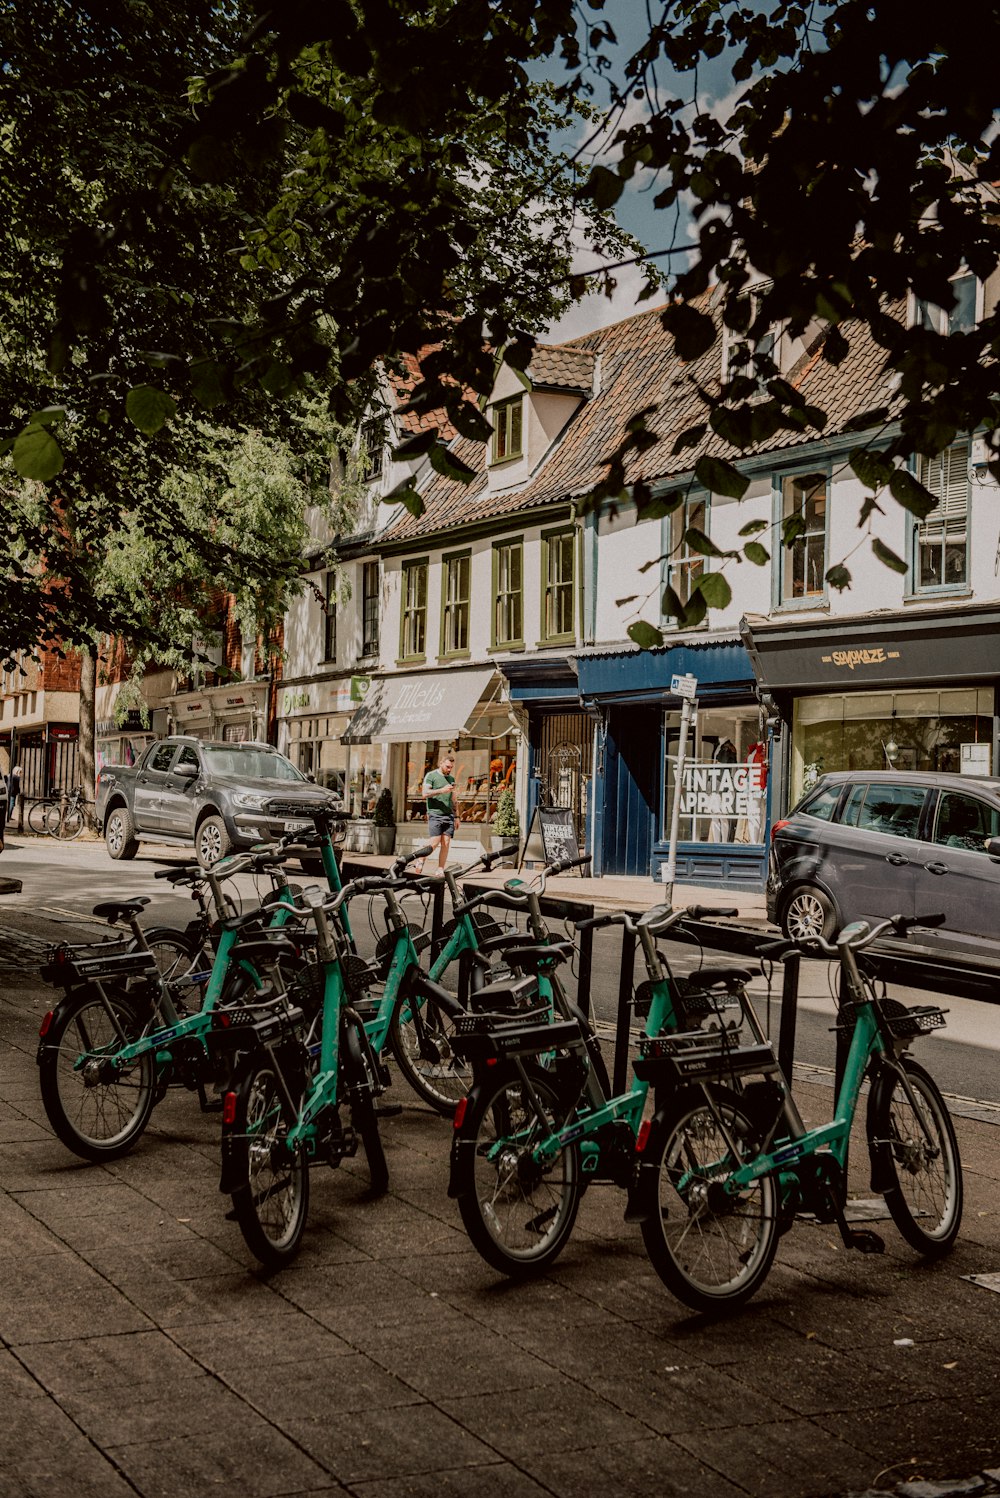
724, 1173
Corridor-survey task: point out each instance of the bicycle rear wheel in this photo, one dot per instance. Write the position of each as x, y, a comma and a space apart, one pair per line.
37, 813
271, 1204
712, 1250
518, 1213
180, 963
362, 1088
69, 826
421, 1047
97, 1110
912, 1142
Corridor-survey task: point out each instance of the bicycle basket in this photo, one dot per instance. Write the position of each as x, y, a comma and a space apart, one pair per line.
387, 945
306, 989
903, 1023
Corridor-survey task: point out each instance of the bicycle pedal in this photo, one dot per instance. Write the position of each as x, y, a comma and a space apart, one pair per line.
865, 1241
388, 1110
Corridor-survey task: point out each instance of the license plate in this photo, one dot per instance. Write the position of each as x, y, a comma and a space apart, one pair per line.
297, 826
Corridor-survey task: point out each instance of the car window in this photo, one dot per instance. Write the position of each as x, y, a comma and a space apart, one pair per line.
894, 809
188, 756
245, 762
852, 806
823, 803
161, 759
965, 822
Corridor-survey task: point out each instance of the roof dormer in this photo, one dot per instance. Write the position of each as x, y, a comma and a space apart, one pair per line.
529, 411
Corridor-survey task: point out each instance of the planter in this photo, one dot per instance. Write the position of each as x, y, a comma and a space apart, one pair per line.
364, 839
385, 839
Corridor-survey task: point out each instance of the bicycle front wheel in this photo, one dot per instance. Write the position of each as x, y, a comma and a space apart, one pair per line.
518, 1212
272, 1202
912, 1142
362, 1088
69, 826
98, 1110
421, 1046
712, 1250
182, 965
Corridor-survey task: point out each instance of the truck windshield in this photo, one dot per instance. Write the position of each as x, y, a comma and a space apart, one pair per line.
243, 762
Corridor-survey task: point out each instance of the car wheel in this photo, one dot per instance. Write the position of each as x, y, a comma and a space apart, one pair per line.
212, 841
808, 912
119, 835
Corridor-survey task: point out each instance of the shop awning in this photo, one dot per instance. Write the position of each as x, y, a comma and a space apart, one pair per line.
636, 675
438, 705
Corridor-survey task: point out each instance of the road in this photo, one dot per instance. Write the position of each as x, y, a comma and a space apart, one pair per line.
62, 883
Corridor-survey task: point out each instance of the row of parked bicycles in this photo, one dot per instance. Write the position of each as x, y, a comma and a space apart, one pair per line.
273, 1016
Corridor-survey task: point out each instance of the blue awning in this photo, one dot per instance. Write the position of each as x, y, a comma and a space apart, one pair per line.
631, 675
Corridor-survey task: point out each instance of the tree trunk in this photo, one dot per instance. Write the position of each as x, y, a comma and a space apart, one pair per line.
85, 746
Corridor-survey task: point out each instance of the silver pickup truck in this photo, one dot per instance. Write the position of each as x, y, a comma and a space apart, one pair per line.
216, 797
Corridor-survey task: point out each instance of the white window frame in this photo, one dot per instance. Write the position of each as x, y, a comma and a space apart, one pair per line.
947, 475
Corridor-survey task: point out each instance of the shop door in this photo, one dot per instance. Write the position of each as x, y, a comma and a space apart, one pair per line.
564, 762
633, 756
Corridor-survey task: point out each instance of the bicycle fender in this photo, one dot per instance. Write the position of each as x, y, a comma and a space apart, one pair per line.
462, 1144
883, 1175
643, 1197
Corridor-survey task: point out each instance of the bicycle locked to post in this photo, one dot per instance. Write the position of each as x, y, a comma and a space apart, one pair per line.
540, 1124
724, 1172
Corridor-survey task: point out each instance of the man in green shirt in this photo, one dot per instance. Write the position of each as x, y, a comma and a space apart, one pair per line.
439, 790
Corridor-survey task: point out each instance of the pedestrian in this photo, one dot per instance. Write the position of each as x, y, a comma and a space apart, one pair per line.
13, 791
4, 784
439, 791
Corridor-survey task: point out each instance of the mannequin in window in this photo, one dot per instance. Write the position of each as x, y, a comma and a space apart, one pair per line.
721, 828
756, 785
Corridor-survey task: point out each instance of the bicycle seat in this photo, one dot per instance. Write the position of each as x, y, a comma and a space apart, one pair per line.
712, 977
120, 910
540, 955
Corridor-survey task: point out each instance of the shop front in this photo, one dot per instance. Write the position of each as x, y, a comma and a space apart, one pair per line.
724, 791
891, 691
312, 722
235, 713
414, 719
124, 743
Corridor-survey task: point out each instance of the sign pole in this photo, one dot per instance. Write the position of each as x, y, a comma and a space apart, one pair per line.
685, 687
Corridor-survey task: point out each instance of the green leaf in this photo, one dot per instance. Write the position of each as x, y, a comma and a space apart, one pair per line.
792, 527
604, 187
690, 437
444, 461
873, 469
406, 495
670, 604
694, 610
838, 577
888, 557
47, 417
621, 602
754, 552
715, 590
415, 447
693, 331
911, 494
753, 527
646, 636
697, 541
37, 455
721, 477
148, 408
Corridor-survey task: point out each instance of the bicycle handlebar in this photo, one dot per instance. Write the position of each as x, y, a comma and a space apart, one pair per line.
859, 934
568, 863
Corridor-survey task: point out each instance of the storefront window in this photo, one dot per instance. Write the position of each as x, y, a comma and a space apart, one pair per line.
483, 768
723, 793
918, 730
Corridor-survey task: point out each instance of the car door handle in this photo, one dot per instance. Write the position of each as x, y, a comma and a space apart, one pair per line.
936, 868
896, 858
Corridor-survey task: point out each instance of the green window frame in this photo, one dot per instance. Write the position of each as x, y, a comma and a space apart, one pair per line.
559, 583
804, 498
456, 591
330, 617
508, 430
508, 594
413, 611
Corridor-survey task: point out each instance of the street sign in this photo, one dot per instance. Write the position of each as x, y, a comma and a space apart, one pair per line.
684, 686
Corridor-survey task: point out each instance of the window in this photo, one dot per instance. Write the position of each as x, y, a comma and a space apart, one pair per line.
965, 822
413, 631
558, 585
683, 566
508, 607
803, 516
330, 618
958, 319
161, 757
507, 423
455, 584
893, 809
373, 448
370, 591
188, 756
940, 543
740, 348
823, 803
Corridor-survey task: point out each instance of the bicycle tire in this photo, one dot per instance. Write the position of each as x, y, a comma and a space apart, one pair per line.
97, 1119
712, 1251
70, 826
36, 817
361, 1078
518, 1215
925, 1198
177, 957
271, 1205
421, 1048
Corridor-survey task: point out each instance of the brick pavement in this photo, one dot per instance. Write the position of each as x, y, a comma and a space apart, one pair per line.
142, 1353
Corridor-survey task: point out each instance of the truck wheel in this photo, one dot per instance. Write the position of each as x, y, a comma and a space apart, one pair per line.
119, 834
212, 841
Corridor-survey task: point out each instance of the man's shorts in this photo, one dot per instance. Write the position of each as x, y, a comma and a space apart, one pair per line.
440, 826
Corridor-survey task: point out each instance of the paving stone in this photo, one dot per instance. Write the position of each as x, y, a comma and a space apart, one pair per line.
629, 1469
373, 1443
248, 1457
274, 1338
454, 1360
790, 1459
59, 1298
520, 1423
500, 1480
113, 1364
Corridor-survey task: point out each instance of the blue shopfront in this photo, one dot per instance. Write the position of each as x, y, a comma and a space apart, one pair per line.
724, 792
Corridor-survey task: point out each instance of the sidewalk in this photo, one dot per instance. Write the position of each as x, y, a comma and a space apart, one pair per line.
143, 1354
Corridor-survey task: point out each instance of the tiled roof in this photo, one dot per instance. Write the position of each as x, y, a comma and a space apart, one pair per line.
563, 367
411, 422
640, 370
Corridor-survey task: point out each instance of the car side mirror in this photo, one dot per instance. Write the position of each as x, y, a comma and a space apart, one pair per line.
187, 771
311, 776
993, 847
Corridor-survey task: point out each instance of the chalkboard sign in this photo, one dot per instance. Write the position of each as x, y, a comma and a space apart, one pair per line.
557, 827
